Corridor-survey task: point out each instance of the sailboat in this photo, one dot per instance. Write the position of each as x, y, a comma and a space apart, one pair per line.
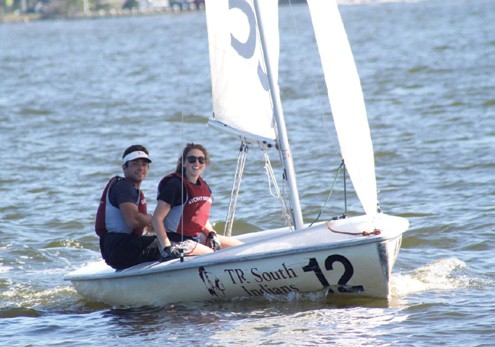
338, 256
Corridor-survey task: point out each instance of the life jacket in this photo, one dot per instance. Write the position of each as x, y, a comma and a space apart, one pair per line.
100, 224
190, 217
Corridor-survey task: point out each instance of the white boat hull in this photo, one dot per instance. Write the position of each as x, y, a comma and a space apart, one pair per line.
276, 262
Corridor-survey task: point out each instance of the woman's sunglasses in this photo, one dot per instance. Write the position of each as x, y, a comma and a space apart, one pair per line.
192, 159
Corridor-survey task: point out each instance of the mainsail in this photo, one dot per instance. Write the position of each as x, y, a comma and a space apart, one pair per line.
242, 102
244, 49
346, 100
241, 98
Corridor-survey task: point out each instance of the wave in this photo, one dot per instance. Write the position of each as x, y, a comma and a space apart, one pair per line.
442, 275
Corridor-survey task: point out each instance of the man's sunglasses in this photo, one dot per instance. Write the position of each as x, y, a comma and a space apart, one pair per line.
192, 159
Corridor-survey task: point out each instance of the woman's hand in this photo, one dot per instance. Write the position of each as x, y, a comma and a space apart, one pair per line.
214, 241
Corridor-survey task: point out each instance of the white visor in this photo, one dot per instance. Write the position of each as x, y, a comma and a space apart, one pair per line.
135, 155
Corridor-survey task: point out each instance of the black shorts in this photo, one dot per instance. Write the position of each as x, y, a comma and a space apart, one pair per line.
121, 250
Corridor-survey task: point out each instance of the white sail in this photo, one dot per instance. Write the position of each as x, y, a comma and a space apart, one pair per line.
346, 100
240, 93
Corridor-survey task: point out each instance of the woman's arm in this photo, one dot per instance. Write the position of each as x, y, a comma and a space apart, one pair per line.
208, 228
161, 211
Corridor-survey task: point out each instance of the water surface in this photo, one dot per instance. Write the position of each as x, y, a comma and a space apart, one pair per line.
74, 94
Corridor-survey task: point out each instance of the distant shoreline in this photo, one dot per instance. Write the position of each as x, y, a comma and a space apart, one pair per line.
29, 17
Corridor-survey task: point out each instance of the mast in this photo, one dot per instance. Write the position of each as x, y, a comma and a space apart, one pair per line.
283, 140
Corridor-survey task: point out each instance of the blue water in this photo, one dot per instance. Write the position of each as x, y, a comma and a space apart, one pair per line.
74, 94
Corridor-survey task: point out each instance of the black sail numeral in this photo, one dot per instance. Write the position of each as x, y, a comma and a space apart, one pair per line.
342, 287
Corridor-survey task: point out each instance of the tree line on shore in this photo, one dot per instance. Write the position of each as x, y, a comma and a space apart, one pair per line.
15, 10
75, 8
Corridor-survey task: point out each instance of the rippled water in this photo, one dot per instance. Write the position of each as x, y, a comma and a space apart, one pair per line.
74, 94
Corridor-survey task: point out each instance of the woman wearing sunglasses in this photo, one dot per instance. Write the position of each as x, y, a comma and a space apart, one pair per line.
181, 218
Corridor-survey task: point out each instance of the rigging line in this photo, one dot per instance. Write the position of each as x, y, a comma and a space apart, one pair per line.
236, 184
182, 94
282, 196
272, 181
341, 166
318, 92
345, 188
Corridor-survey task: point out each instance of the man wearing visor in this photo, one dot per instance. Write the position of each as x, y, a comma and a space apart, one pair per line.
122, 220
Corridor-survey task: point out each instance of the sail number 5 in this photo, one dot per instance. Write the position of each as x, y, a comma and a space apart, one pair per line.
247, 48
342, 286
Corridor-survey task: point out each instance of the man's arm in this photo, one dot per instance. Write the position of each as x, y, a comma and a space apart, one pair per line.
133, 218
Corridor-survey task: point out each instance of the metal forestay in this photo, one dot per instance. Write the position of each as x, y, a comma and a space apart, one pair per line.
341, 168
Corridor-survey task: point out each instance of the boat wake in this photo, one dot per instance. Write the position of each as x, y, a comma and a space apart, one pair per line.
441, 275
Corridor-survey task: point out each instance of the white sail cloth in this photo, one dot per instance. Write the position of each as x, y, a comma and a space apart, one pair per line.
346, 100
241, 99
